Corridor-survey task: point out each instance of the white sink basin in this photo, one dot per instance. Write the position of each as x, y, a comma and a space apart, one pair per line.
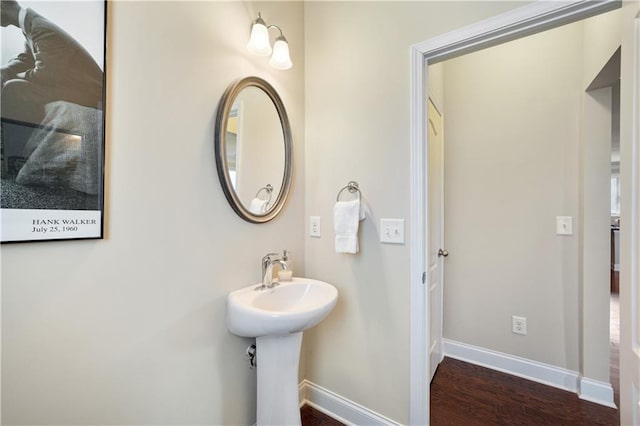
289, 307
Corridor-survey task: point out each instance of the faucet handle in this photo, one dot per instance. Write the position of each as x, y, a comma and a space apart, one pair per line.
285, 255
267, 256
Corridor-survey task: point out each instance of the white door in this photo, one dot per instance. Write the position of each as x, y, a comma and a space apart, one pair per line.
436, 221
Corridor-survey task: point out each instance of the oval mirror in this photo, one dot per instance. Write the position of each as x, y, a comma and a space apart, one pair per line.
253, 148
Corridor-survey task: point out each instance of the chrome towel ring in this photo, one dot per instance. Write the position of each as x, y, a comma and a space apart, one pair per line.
269, 189
352, 187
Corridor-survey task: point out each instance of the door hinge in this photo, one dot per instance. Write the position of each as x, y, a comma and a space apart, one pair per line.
424, 277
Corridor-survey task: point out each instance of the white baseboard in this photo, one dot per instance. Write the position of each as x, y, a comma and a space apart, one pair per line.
302, 393
595, 391
338, 407
546, 374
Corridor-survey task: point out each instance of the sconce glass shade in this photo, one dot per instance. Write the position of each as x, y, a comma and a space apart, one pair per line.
259, 41
280, 58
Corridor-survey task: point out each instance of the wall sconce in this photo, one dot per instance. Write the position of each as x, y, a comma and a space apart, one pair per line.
259, 44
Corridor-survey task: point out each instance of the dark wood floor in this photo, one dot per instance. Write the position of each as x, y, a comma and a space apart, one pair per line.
466, 394
312, 417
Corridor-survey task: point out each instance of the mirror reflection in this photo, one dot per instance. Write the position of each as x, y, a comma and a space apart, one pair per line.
254, 150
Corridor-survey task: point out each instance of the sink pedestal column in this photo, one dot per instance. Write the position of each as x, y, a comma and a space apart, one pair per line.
278, 359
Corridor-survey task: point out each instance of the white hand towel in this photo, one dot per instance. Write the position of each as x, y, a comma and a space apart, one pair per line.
258, 206
346, 217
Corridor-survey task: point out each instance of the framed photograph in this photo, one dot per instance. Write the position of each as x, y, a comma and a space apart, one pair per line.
52, 120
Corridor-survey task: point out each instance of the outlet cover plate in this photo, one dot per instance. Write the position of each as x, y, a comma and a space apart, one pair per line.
564, 225
519, 325
314, 226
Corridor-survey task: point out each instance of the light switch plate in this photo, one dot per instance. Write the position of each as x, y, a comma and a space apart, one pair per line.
392, 231
564, 225
314, 226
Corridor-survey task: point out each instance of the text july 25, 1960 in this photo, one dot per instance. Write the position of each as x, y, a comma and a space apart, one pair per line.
59, 225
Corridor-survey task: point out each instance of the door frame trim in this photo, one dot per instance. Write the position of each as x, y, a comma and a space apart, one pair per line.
630, 274
520, 22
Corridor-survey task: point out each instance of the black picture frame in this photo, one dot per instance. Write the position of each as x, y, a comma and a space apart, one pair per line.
52, 124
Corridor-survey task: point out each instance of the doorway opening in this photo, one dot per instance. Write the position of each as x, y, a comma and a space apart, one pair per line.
516, 161
522, 22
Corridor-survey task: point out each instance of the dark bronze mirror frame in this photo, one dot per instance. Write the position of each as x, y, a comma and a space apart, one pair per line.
224, 108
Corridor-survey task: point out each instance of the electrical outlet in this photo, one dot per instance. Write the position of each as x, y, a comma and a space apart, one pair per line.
314, 226
519, 325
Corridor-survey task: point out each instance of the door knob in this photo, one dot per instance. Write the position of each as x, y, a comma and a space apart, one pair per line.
443, 253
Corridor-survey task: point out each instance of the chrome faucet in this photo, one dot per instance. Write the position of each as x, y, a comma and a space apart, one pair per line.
268, 261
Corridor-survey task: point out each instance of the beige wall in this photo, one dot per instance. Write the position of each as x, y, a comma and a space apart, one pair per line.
512, 120
436, 85
357, 128
602, 36
131, 329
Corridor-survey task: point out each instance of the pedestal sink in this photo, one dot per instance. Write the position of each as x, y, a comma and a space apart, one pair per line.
276, 317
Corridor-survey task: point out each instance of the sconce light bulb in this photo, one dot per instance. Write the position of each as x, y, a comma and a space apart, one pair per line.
280, 58
259, 39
